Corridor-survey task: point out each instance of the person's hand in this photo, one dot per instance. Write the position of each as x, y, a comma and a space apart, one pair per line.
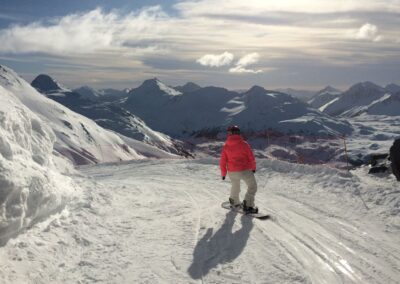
223, 178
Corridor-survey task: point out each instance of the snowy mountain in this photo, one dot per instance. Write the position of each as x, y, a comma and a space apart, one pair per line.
354, 101
111, 116
188, 88
259, 109
45, 84
169, 111
77, 137
324, 96
86, 92
392, 88
211, 109
103, 95
303, 95
388, 104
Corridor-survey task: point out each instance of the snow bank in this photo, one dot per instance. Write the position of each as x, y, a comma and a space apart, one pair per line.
30, 186
377, 194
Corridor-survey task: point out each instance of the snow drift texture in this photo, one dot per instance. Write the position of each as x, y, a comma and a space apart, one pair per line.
30, 186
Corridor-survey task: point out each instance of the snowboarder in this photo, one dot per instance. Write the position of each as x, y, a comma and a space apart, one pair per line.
237, 160
395, 158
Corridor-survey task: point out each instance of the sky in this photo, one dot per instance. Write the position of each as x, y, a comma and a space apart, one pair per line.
304, 44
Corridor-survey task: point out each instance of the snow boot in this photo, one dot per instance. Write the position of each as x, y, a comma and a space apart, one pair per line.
248, 209
232, 203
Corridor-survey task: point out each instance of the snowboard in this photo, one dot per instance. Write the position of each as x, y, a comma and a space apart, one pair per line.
259, 215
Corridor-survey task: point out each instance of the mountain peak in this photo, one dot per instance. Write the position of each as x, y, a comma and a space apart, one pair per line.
365, 89
45, 84
366, 85
329, 89
156, 86
151, 82
188, 87
256, 90
392, 88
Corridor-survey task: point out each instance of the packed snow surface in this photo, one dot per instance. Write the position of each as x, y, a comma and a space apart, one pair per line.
161, 221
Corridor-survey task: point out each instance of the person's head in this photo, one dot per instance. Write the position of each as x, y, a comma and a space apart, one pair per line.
233, 130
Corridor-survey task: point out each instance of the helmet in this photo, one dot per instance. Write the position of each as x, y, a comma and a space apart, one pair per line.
234, 129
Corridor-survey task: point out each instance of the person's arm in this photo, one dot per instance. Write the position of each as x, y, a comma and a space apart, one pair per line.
251, 158
222, 163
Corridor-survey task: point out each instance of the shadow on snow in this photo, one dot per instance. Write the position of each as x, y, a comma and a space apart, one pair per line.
222, 247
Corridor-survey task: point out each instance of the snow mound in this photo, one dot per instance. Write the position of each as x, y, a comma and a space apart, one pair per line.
31, 187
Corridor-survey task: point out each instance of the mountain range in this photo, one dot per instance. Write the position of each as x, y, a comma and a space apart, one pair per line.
191, 110
157, 115
78, 138
364, 98
212, 109
107, 114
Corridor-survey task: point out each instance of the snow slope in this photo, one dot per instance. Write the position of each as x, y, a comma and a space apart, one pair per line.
353, 101
160, 221
324, 96
389, 105
259, 109
107, 114
104, 95
31, 186
77, 137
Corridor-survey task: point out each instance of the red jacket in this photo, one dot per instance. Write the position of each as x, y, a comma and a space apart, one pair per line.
236, 156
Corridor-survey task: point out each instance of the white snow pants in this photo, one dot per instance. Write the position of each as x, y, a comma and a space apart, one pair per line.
248, 177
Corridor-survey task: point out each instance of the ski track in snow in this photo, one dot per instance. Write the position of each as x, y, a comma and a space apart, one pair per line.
160, 221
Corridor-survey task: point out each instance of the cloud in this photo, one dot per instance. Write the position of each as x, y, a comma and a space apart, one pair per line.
260, 7
83, 32
152, 41
216, 60
368, 32
244, 62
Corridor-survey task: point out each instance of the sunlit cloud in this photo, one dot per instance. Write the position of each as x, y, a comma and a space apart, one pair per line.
216, 60
84, 32
242, 65
368, 32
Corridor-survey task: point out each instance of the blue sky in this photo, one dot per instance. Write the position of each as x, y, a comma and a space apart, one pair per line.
231, 43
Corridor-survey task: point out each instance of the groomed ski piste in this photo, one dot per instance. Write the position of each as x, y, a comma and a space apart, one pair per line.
161, 221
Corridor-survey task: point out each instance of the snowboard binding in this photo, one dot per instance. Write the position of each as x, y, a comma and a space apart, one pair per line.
248, 209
